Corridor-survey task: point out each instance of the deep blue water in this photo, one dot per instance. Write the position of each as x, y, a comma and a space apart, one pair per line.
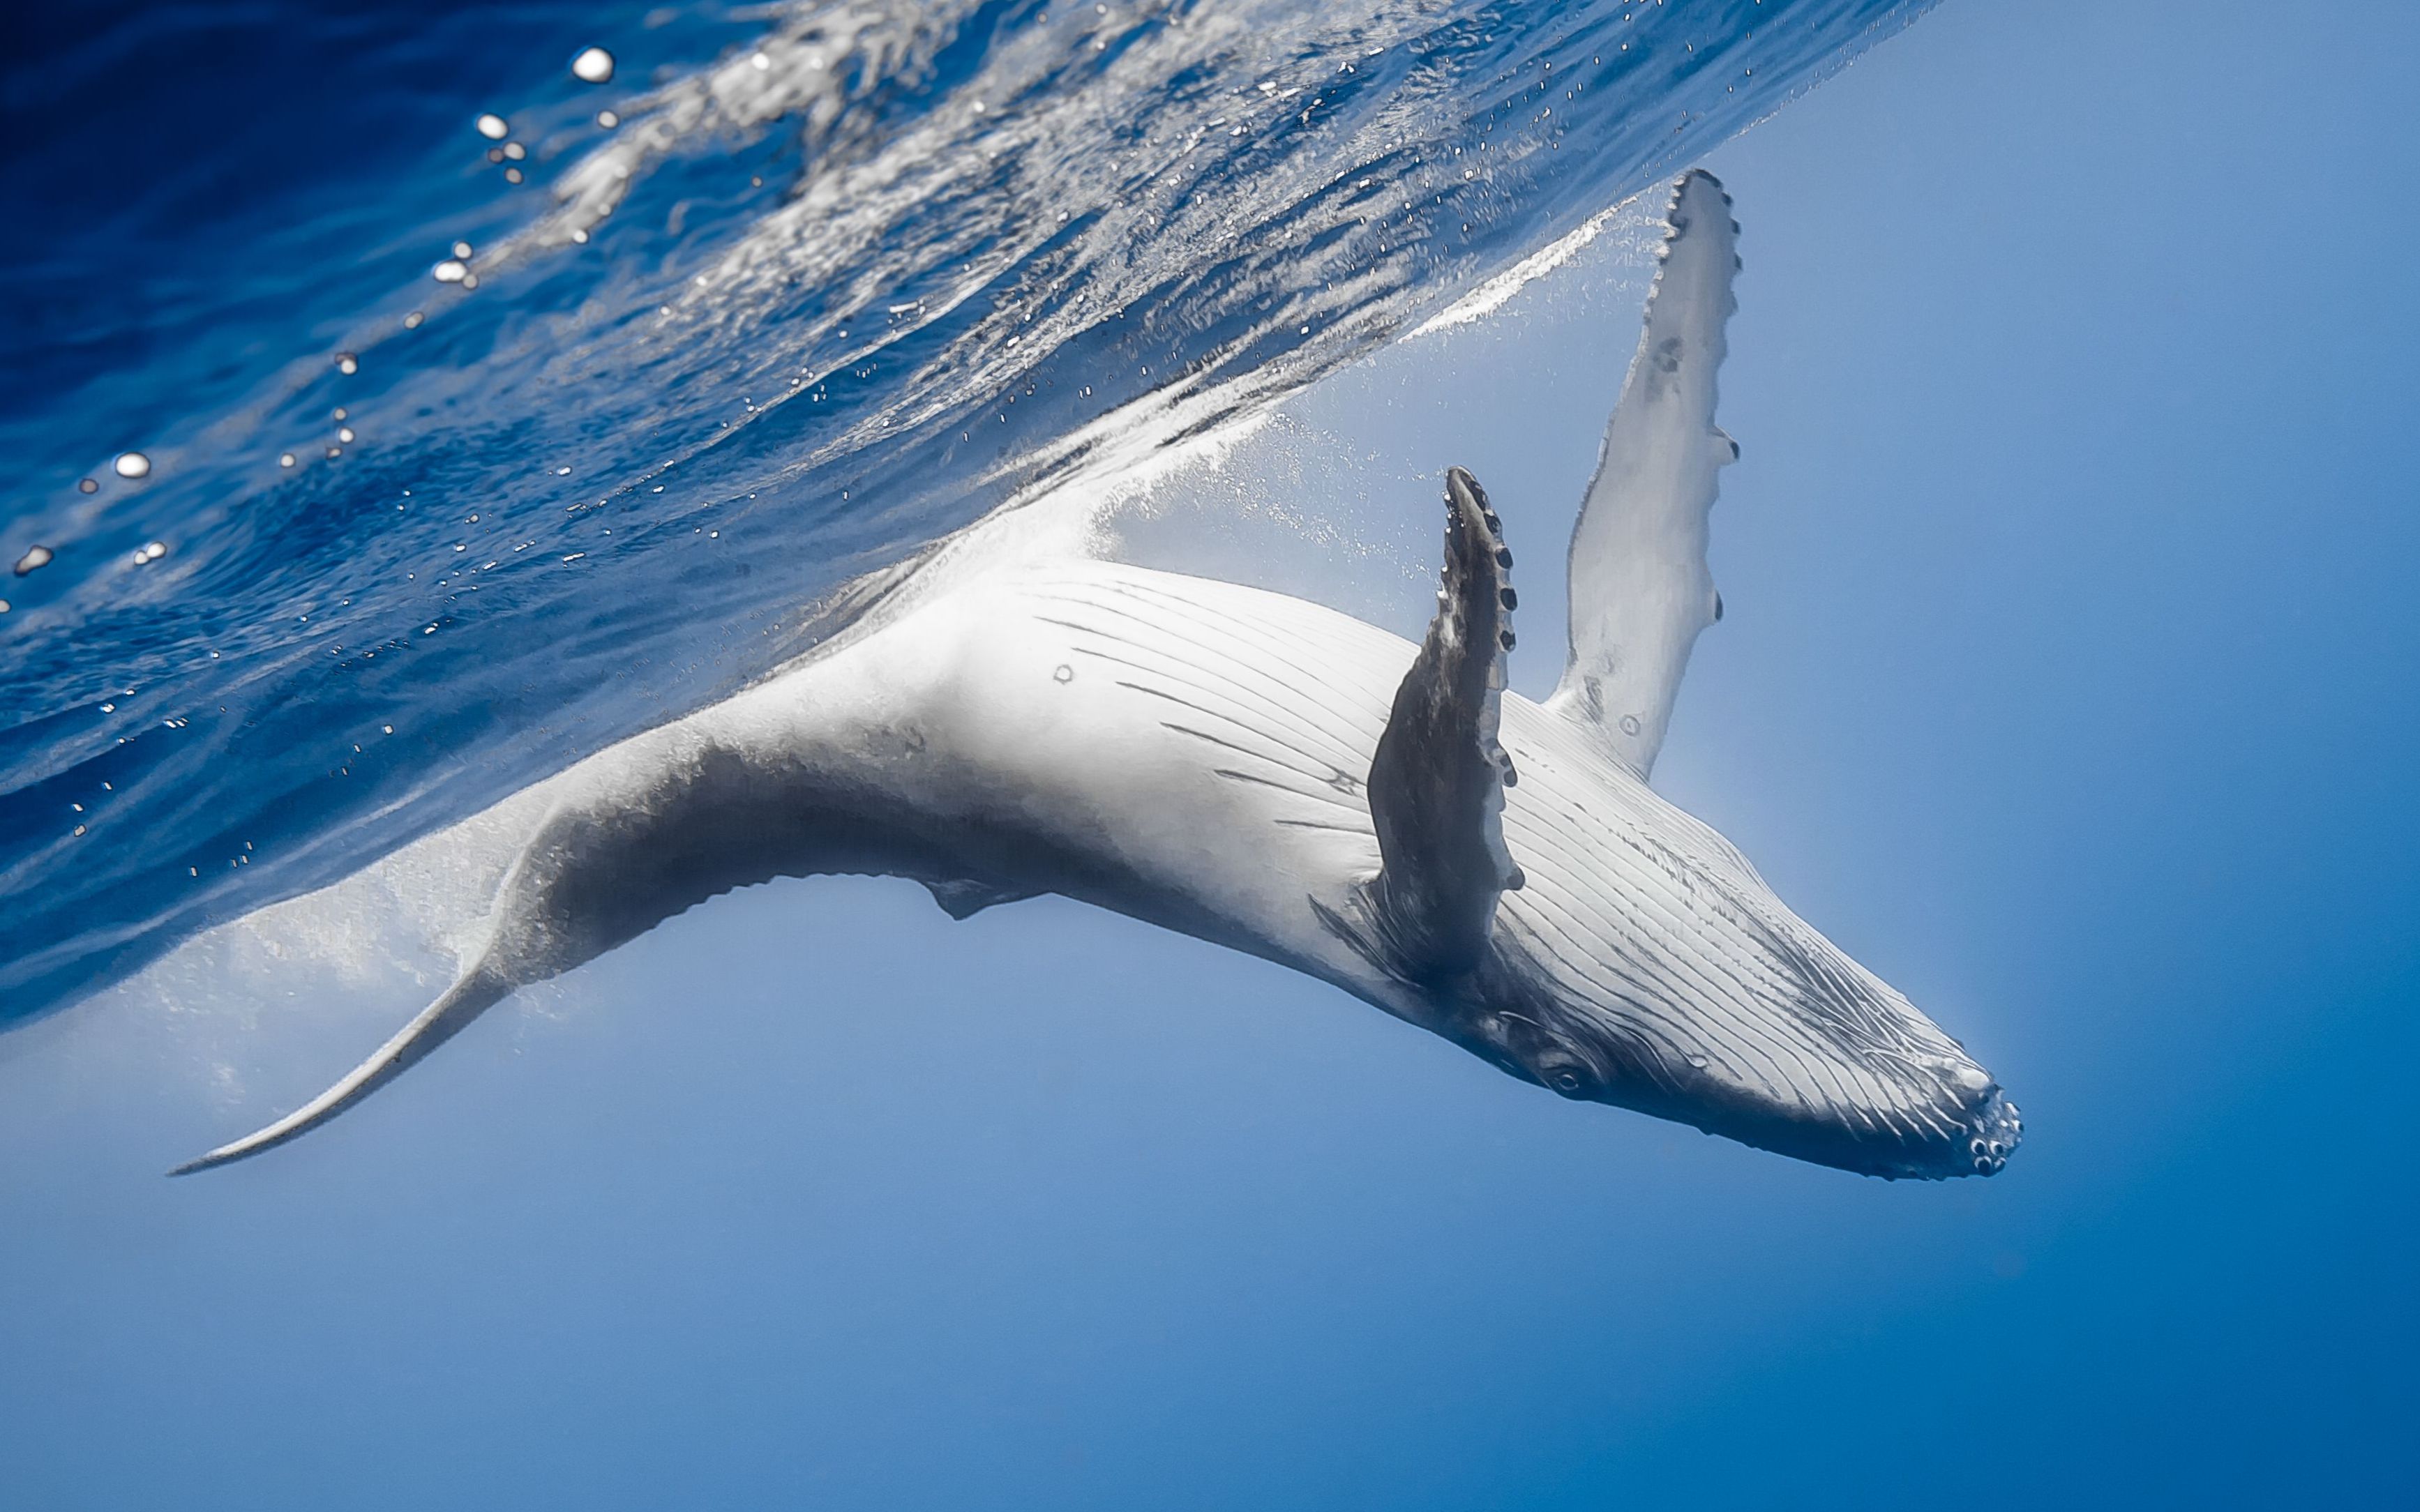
2066, 681
865, 274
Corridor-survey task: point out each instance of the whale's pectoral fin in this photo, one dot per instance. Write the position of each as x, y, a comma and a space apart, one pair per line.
1640, 591
1436, 784
474, 995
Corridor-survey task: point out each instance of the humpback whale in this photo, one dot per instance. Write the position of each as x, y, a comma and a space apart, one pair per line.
1268, 773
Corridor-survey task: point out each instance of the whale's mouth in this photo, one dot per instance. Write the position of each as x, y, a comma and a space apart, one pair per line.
1841, 1072
1980, 1138
1977, 1141
1935, 1117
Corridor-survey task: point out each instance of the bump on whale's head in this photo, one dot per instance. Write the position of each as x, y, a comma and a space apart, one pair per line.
1758, 1031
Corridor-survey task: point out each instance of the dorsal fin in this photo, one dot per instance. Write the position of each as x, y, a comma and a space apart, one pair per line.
1436, 784
1640, 591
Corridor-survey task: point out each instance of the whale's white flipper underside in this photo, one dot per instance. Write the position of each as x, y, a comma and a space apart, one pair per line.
1640, 589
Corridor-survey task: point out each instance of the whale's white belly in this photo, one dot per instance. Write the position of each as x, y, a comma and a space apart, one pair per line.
1213, 743
1199, 740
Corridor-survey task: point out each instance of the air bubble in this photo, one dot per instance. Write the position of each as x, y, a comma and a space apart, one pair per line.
462, 251
411, 321
285, 460
516, 151
345, 434
449, 272
86, 486
348, 363
607, 119
35, 557
132, 465
593, 66
494, 127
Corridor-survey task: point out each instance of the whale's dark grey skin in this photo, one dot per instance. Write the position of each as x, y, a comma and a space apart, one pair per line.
1268, 773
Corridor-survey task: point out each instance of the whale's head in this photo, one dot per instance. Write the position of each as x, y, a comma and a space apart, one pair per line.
1796, 1049
1647, 965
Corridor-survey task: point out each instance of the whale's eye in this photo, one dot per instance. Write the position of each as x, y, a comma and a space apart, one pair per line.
1562, 1075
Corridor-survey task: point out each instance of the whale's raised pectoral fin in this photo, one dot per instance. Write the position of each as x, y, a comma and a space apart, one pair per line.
1640, 589
1436, 783
475, 994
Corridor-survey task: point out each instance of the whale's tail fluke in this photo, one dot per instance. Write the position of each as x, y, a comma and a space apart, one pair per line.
479, 989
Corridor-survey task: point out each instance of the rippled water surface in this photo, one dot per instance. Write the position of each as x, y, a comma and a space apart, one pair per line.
477, 443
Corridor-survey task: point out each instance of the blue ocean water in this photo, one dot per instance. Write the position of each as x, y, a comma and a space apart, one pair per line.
2066, 681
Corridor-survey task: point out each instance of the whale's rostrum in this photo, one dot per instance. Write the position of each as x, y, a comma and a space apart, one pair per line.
1268, 774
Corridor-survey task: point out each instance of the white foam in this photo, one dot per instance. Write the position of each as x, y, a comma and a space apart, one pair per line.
1497, 292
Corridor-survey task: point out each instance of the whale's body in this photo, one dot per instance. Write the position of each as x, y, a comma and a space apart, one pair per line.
1271, 775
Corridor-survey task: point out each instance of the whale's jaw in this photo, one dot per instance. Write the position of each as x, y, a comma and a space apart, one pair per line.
1897, 1099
